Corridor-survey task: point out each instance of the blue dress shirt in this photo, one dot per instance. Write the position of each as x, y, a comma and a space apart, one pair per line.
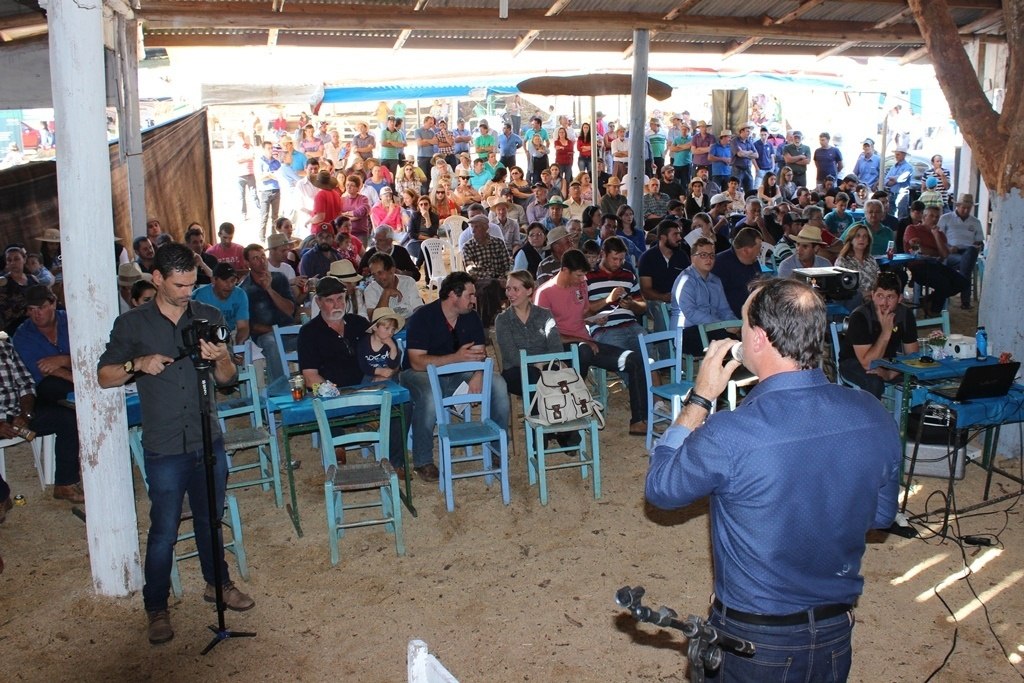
796, 476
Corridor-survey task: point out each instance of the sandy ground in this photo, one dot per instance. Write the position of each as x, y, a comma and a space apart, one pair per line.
517, 593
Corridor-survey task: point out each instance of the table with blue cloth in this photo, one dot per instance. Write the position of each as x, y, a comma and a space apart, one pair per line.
920, 374
297, 417
989, 414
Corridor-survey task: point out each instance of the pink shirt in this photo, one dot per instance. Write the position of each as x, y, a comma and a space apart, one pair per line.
568, 306
231, 254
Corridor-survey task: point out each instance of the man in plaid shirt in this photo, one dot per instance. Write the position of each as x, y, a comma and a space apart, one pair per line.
487, 260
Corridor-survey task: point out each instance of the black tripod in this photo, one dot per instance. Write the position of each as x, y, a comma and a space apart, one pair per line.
705, 641
221, 631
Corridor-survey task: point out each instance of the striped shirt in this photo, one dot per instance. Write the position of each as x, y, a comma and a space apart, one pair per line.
600, 284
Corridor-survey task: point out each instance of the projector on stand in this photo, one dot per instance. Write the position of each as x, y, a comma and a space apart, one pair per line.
838, 284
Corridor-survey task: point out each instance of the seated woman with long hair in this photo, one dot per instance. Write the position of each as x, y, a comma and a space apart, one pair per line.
856, 255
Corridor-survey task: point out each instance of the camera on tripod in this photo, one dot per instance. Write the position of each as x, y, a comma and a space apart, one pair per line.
202, 329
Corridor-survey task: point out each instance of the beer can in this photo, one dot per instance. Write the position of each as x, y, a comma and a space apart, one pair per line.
19, 499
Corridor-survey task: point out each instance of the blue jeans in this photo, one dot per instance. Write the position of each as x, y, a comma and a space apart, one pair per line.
745, 178
963, 262
817, 651
169, 478
627, 364
625, 336
424, 418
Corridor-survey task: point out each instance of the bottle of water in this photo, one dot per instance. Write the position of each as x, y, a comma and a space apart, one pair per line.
981, 342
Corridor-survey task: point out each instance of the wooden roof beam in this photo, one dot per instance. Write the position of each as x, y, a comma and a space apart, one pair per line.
531, 35
682, 8
404, 35
804, 7
483, 20
987, 21
884, 23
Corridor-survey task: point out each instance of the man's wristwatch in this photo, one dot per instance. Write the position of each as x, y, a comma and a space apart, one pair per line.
693, 397
129, 367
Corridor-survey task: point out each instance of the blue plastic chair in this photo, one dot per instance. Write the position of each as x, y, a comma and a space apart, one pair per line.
677, 384
536, 450
339, 479
453, 433
235, 546
254, 435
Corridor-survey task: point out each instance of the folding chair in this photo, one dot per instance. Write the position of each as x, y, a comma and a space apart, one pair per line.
254, 435
536, 450
347, 479
468, 432
670, 391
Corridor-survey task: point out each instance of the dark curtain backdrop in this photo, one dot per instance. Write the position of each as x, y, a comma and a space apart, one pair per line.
178, 177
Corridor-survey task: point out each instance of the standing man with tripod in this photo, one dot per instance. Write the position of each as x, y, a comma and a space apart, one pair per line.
147, 346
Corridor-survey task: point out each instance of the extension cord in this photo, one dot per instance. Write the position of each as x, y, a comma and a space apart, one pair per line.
977, 540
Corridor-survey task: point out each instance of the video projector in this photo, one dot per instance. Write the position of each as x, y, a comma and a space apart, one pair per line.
835, 283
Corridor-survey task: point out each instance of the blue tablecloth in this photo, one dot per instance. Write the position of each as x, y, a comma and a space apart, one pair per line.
945, 368
981, 412
301, 412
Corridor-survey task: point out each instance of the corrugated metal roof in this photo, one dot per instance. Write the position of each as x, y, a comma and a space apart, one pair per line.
475, 24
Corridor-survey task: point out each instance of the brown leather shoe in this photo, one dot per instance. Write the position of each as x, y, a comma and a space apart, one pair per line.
5, 507
399, 472
339, 454
428, 472
72, 493
234, 599
638, 428
159, 628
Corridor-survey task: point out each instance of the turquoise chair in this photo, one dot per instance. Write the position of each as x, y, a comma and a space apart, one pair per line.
941, 320
589, 455
465, 433
253, 435
347, 479
235, 546
286, 356
671, 360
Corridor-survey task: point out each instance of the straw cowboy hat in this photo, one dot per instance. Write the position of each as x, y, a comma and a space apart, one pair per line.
386, 313
50, 235
130, 273
809, 234
344, 271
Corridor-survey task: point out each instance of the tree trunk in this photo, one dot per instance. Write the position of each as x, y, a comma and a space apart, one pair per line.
997, 142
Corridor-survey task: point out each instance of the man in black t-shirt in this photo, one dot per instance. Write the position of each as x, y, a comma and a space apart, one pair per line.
880, 328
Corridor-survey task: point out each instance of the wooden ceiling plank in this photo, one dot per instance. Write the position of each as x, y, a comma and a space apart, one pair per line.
531, 35
475, 20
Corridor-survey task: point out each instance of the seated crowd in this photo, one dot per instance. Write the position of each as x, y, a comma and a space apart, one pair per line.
550, 257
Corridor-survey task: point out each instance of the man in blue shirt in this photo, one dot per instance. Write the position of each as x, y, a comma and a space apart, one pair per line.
445, 331
231, 300
738, 266
897, 181
270, 303
765, 156
791, 495
743, 155
868, 163
267, 167
720, 157
508, 144
698, 298
828, 160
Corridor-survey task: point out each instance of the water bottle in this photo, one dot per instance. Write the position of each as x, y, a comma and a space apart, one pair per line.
981, 343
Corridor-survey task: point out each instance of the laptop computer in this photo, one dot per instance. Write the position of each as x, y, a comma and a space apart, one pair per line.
981, 381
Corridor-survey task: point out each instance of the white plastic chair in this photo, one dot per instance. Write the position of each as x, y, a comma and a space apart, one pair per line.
434, 252
43, 452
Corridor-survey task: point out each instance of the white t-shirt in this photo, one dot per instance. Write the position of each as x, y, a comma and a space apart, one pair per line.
285, 269
409, 302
